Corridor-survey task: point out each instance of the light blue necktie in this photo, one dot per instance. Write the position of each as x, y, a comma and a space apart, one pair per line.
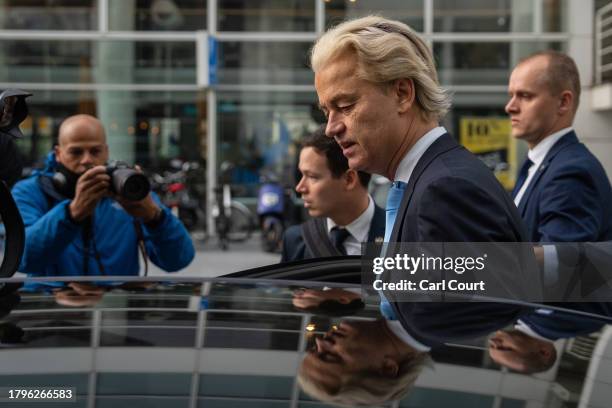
394, 200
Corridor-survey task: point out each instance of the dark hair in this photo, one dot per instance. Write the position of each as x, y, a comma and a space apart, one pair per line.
337, 163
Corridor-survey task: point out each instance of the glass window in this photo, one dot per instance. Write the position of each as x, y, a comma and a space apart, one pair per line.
49, 15
143, 383
483, 16
260, 132
407, 11
266, 15
147, 337
58, 61
554, 15
142, 402
429, 397
485, 63
264, 63
157, 15
148, 128
237, 403
251, 386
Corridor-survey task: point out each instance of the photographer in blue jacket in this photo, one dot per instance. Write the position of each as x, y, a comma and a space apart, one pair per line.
82, 219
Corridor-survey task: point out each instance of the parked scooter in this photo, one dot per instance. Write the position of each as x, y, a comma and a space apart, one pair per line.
277, 207
177, 190
270, 209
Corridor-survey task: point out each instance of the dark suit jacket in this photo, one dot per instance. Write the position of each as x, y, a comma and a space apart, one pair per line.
562, 325
295, 249
453, 197
569, 198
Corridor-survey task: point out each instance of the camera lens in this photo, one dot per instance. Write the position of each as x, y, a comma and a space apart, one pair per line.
135, 187
130, 184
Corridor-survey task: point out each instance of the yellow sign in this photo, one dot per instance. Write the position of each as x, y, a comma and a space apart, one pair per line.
489, 138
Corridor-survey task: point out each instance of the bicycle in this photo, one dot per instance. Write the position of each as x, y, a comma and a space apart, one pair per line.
233, 220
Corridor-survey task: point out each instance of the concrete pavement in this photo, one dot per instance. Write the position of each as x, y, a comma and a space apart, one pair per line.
211, 261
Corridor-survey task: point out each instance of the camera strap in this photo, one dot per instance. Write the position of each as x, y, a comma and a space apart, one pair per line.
15, 233
89, 241
141, 245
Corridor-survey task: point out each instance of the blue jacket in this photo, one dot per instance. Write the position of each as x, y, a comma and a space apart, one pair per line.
54, 243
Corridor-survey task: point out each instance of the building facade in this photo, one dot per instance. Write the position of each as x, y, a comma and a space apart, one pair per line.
134, 64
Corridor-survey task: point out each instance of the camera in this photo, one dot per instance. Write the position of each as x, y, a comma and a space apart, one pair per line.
127, 182
13, 111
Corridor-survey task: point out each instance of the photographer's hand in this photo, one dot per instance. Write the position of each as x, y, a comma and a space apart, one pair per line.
92, 186
146, 209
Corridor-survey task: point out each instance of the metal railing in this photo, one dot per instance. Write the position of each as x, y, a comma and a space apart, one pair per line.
603, 44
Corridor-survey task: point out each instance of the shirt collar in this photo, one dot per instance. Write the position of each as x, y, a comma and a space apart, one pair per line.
396, 328
410, 160
360, 227
526, 329
539, 151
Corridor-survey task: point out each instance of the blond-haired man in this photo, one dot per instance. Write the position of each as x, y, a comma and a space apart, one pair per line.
377, 84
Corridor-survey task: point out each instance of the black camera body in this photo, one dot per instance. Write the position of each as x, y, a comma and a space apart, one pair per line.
127, 182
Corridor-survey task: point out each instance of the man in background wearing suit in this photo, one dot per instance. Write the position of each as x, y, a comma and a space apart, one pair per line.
562, 192
337, 197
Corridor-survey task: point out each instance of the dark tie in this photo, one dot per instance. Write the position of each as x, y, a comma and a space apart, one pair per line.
337, 236
522, 176
394, 199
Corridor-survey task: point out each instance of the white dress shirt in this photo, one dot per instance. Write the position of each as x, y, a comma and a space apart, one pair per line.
358, 229
410, 160
525, 329
396, 327
537, 155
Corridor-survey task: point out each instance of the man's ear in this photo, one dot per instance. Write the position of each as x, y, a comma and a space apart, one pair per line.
566, 102
345, 300
389, 368
106, 153
546, 351
403, 90
351, 179
57, 151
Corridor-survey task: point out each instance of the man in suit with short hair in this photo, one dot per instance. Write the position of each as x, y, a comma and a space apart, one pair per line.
338, 199
562, 192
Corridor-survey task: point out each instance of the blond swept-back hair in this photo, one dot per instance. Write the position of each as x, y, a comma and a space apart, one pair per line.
366, 388
386, 50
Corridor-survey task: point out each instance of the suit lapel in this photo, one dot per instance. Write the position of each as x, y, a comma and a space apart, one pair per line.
376, 233
443, 144
565, 141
